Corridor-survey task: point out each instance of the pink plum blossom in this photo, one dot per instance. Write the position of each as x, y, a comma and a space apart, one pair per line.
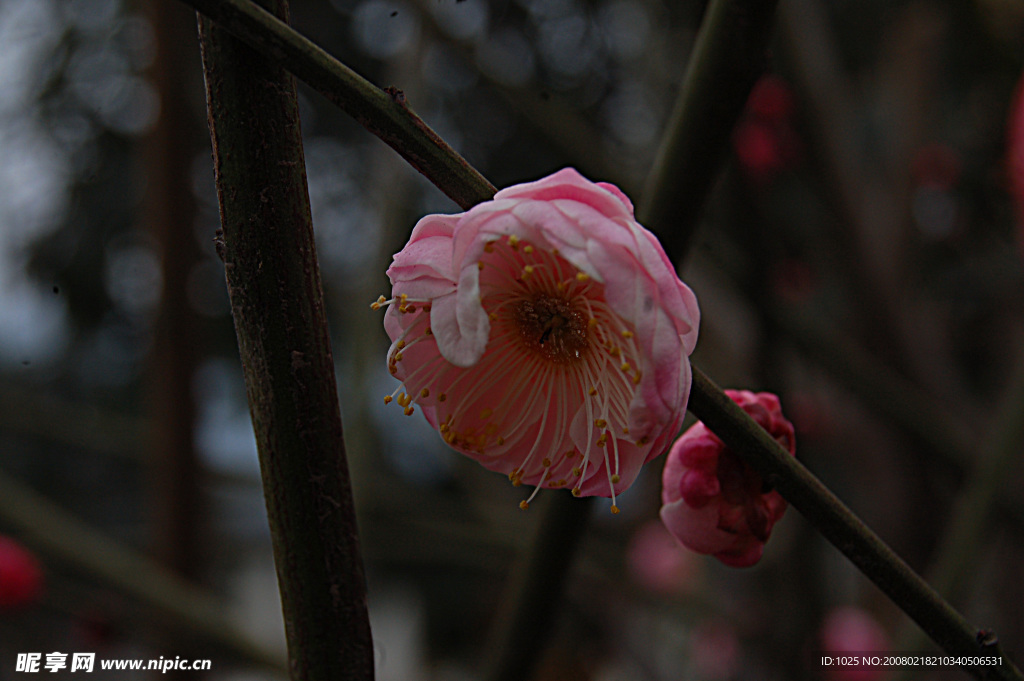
715, 504
545, 334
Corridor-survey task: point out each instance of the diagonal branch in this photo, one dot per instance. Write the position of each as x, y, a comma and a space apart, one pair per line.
845, 531
384, 113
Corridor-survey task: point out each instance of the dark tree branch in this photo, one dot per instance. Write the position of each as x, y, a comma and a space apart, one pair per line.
276, 299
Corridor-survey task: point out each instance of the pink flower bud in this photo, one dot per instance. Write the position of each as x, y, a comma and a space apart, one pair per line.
545, 334
713, 502
21, 579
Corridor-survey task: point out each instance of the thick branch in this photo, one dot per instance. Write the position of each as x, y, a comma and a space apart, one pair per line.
277, 303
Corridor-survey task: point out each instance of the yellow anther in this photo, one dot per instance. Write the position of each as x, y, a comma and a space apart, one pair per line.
513, 241
591, 322
388, 399
561, 286
527, 249
636, 378
403, 308
627, 334
398, 356
546, 462
625, 431
480, 265
616, 479
615, 509
400, 344
575, 491
592, 392
527, 271
408, 410
600, 423
443, 428
523, 505
614, 351
624, 366
582, 276
442, 397
577, 472
424, 393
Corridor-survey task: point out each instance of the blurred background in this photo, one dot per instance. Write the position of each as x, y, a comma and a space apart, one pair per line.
861, 256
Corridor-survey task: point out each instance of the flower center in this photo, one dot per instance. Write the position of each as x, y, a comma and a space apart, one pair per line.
551, 327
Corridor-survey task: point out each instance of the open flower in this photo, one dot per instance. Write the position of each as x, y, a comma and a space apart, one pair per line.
716, 504
545, 334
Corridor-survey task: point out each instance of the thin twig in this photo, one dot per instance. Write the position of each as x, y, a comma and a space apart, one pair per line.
527, 613
727, 59
385, 113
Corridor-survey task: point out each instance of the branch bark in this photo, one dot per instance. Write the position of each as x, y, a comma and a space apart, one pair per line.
276, 299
